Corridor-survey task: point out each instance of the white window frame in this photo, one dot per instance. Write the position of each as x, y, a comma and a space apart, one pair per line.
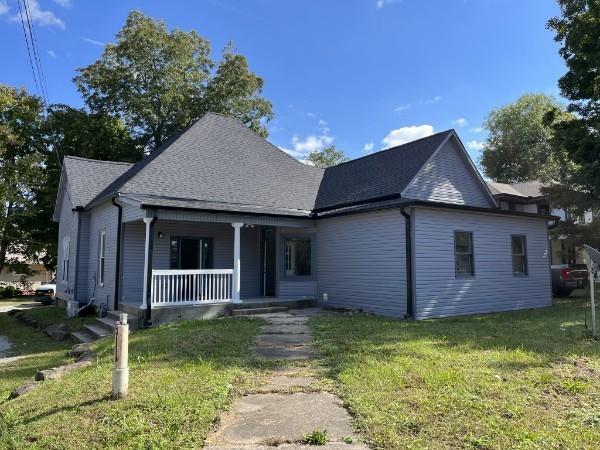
523, 255
66, 244
101, 258
470, 254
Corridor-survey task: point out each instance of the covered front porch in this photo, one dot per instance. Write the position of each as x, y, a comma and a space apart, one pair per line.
185, 260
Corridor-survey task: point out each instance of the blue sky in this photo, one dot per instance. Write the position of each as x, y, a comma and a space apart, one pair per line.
361, 74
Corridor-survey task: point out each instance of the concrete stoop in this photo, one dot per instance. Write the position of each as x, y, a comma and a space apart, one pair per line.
290, 406
104, 326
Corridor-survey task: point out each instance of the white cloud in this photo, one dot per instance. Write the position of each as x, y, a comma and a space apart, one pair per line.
381, 3
93, 42
311, 143
64, 3
475, 146
368, 148
311, 114
51, 53
40, 17
403, 135
402, 107
477, 130
431, 101
3, 7
460, 122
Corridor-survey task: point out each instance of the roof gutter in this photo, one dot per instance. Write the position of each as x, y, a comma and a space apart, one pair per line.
409, 265
118, 253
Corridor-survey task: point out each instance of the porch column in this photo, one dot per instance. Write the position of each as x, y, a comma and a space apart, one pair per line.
236, 261
148, 221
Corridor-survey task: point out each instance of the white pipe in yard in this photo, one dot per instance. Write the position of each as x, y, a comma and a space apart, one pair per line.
120, 374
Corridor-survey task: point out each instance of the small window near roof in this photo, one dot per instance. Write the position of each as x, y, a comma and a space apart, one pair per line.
297, 257
519, 255
463, 252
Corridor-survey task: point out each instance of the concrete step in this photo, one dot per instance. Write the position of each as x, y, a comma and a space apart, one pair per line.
250, 311
82, 336
106, 322
132, 320
97, 331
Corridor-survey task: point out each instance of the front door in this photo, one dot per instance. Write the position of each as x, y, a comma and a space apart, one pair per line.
268, 259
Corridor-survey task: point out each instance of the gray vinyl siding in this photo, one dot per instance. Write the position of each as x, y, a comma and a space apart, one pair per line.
447, 178
439, 292
67, 227
361, 262
102, 217
222, 241
132, 212
83, 246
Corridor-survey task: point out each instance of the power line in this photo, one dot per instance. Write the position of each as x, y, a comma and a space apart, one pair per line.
36, 53
28, 50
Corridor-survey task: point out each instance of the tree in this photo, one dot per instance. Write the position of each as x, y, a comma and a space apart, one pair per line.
519, 146
159, 81
578, 33
71, 132
21, 168
327, 157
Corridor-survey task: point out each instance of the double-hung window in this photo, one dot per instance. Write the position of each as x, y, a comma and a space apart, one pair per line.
297, 257
101, 257
65, 260
463, 253
519, 254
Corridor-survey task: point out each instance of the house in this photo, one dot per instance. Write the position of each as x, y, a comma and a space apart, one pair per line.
35, 274
218, 216
527, 196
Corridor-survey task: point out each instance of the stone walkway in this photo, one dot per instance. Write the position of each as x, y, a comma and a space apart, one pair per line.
290, 405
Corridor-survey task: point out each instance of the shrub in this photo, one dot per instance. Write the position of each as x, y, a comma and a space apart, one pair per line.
9, 292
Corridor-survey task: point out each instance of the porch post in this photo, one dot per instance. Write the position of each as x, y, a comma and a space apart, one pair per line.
148, 221
236, 261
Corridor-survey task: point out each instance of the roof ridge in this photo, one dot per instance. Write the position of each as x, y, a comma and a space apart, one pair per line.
394, 148
101, 161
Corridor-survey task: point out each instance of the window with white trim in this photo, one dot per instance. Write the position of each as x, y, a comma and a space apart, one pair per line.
65, 259
519, 254
297, 256
463, 253
101, 257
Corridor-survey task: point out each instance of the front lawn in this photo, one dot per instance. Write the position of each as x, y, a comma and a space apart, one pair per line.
181, 376
526, 379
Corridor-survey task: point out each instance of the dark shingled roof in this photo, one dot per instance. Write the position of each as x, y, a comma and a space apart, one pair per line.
381, 174
219, 164
218, 159
528, 189
88, 177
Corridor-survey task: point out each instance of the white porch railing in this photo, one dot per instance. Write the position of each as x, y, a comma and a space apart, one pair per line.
191, 287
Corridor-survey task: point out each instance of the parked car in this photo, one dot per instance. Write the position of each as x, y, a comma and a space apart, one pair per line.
568, 277
46, 293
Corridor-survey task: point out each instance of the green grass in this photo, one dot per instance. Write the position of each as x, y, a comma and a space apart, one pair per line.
526, 379
48, 315
181, 376
35, 351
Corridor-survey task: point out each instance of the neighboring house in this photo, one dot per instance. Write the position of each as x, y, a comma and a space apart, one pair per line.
219, 215
528, 197
26, 282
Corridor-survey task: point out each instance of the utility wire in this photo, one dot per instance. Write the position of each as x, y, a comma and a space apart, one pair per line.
28, 50
36, 52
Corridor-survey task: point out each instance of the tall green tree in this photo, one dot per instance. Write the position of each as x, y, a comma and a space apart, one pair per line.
21, 168
159, 81
327, 157
71, 132
578, 32
519, 146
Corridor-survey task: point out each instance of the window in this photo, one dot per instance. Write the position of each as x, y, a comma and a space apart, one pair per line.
66, 252
519, 255
297, 256
101, 257
190, 253
463, 252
